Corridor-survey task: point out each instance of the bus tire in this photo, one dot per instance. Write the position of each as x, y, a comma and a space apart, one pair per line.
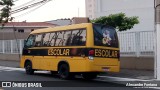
28, 68
63, 71
89, 76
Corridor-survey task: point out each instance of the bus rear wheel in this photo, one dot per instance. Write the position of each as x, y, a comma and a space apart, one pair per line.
28, 68
63, 71
89, 76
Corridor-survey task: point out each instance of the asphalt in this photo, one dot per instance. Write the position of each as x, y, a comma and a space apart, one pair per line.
17, 75
124, 73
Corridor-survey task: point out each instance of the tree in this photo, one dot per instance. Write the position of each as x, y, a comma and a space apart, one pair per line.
5, 15
118, 21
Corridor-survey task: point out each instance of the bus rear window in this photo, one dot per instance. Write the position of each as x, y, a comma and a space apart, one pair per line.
105, 36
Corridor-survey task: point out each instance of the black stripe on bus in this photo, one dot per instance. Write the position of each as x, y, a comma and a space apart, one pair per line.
104, 53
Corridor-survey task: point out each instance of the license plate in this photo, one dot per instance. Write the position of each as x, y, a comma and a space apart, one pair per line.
105, 69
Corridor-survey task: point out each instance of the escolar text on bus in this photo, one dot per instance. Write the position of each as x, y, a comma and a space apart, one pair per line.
61, 52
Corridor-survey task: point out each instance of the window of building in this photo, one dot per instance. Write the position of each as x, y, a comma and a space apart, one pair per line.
90, 5
90, 11
21, 30
32, 30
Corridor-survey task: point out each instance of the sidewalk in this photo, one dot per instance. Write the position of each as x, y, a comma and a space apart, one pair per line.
133, 74
124, 73
9, 63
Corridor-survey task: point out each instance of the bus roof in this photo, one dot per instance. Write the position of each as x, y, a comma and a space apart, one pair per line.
61, 28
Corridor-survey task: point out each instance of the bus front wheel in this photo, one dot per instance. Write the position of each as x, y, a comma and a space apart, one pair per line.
28, 68
63, 71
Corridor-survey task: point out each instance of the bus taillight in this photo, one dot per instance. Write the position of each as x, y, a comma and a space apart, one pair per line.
91, 54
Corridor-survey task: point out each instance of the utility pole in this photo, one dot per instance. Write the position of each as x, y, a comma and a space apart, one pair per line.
157, 31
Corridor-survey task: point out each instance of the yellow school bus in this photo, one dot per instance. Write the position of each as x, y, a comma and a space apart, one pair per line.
86, 49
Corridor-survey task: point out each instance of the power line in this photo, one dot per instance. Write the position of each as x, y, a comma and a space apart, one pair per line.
29, 6
31, 10
29, 2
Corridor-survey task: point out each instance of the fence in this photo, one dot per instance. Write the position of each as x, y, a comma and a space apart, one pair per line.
11, 46
137, 44
134, 44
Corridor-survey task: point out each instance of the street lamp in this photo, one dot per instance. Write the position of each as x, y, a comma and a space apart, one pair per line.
157, 43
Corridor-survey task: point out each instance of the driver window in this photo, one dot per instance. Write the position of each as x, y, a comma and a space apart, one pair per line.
30, 42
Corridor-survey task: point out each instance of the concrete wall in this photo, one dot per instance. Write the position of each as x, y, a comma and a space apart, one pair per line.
12, 36
10, 57
145, 63
26, 29
8, 33
142, 63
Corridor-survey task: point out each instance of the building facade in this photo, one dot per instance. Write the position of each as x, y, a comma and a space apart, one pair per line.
90, 8
144, 9
60, 22
21, 30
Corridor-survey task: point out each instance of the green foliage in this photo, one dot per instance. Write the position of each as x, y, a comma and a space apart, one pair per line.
118, 21
5, 15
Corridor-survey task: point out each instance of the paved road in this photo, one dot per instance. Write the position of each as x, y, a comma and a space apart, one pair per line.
17, 74
124, 73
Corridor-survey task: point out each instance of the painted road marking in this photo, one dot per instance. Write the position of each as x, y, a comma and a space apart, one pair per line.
3, 68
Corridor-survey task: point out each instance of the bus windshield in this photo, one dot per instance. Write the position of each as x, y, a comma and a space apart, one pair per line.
105, 36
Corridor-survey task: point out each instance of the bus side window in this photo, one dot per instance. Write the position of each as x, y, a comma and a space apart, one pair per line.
83, 38
38, 40
59, 39
67, 38
46, 39
79, 38
51, 40
75, 37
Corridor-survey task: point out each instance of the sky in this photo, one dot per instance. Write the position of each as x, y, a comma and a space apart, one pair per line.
54, 9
